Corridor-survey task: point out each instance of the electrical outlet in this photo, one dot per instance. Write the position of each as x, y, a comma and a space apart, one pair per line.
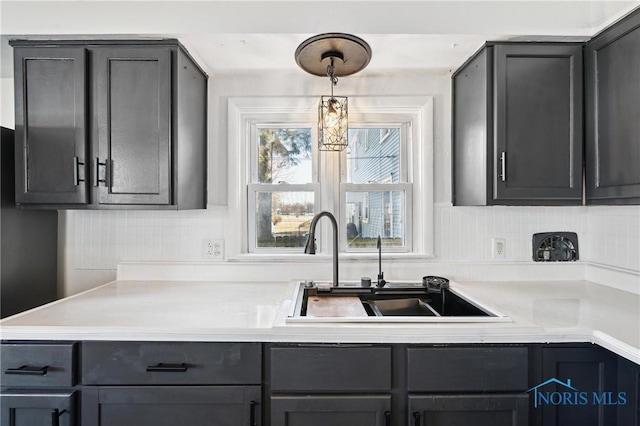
213, 249
499, 246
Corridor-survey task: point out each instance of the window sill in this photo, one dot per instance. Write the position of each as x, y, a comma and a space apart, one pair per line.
322, 258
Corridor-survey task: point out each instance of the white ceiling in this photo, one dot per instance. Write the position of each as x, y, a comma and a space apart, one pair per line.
248, 36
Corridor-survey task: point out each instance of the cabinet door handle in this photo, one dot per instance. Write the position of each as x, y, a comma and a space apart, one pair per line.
55, 417
168, 368
416, 418
503, 166
28, 370
387, 418
96, 172
76, 171
252, 413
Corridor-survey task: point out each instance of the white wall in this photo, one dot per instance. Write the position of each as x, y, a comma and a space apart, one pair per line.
93, 242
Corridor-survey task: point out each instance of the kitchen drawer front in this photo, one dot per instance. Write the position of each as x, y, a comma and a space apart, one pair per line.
324, 368
37, 364
470, 369
171, 363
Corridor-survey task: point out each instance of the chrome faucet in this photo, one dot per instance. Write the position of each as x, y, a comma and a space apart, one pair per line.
310, 247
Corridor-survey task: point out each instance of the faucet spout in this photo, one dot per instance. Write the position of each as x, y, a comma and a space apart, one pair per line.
381, 281
310, 246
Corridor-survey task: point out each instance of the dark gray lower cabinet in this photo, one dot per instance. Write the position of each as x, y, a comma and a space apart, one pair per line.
335, 410
38, 408
171, 405
464, 410
468, 385
397, 385
171, 383
38, 384
629, 386
587, 376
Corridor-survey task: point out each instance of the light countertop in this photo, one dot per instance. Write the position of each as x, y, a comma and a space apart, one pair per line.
540, 312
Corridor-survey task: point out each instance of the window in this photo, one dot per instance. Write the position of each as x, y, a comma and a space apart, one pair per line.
373, 187
283, 192
378, 190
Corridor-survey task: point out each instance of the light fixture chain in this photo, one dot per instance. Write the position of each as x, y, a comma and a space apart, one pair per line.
331, 73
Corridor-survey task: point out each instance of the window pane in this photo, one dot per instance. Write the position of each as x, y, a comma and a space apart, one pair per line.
373, 213
284, 155
283, 218
373, 155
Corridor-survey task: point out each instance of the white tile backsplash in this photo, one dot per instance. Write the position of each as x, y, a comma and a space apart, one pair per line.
465, 233
104, 238
608, 237
614, 236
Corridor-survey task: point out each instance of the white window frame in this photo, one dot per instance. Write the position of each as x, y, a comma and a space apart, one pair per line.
242, 111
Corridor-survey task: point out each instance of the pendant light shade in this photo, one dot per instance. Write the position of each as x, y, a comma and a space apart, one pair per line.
333, 123
333, 55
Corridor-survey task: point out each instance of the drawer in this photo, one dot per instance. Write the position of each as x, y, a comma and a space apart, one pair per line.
171, 363
38, 364
474, 369
320, 368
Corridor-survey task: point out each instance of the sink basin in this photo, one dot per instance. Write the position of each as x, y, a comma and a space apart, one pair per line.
400, 307
398, 302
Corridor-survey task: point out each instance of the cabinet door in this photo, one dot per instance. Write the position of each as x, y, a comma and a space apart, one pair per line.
50, 97
612, 71
629, 384
132, 118
464, 410
587, 370
171, 406
538, 134
317, 410
37, 408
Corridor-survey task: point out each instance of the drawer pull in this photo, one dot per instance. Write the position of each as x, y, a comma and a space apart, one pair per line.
168, 368
28, 370
252, 414
387, 418
416, 418
55, 417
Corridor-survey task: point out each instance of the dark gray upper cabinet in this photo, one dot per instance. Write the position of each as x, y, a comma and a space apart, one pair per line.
517, 125
110, 124
612, 72
51, 111
132, 112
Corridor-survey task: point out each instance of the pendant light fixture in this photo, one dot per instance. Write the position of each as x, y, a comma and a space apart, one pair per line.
333, 55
